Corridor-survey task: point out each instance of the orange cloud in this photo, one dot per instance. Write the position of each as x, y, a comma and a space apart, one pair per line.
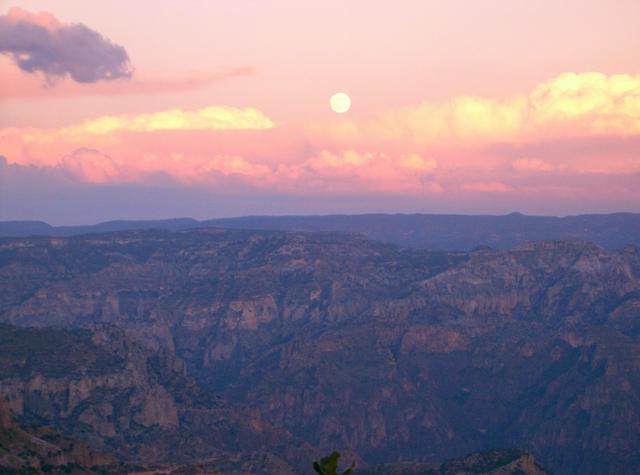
602, 104
109, 130
213, 118
570, 104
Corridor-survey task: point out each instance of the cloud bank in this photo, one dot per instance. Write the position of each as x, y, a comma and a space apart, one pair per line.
40, 43
573, 137
571, 104
214, 118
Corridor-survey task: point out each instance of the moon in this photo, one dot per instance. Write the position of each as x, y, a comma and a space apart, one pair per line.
340, 102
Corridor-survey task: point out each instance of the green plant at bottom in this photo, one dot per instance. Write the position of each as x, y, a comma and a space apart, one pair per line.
329, 465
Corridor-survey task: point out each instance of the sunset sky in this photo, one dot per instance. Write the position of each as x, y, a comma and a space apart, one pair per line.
157, 109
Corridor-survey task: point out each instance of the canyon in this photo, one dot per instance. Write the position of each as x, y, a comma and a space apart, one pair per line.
258, 351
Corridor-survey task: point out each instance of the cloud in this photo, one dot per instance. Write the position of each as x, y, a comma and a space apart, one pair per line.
14, 84
532, 164
215, 118
351, 170
568, 105
544, 143
493, 187
111, 129
604, 103
48, 193
89, 166
156, 84
40, 43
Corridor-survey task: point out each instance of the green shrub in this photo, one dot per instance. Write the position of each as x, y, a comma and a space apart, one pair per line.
329, 465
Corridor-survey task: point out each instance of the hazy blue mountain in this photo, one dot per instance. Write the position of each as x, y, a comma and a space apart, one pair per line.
458, 232
40, 228
428, 231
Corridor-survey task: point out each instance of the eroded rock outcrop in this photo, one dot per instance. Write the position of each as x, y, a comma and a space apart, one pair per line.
41, 449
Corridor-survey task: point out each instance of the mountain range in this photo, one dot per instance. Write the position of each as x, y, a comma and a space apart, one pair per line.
427, 231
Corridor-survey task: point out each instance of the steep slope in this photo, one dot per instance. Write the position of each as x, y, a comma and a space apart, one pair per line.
344, 343
492, 462
130, 401
40, 450
43, 450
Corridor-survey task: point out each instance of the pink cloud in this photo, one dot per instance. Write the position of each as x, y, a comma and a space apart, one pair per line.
532, 164
492, 187
42, 19
467, 146
89, 166
16, 84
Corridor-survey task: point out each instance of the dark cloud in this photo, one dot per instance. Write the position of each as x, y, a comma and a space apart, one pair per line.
38, 43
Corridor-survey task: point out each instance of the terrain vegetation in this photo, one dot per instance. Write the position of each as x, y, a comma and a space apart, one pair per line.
258, 351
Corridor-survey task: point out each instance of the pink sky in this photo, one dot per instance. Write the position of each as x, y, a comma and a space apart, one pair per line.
470, 107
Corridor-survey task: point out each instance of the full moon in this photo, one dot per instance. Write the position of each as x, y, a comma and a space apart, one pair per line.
340, 102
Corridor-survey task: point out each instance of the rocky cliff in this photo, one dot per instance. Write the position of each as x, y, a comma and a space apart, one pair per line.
40, 450
123, 398
328, 341
491, 462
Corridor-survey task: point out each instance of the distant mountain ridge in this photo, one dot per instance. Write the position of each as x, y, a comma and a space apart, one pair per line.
40, 228
445, 232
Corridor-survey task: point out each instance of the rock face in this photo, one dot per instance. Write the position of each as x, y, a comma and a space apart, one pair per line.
492, 462
58, 371
121, 397
43, 450
286, 342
